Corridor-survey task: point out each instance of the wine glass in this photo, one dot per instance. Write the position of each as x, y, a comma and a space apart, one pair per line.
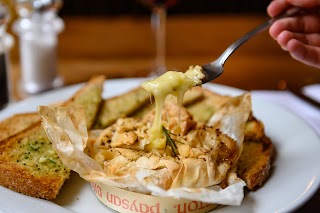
158, 24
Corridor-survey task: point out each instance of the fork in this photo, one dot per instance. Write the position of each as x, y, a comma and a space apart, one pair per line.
215, 69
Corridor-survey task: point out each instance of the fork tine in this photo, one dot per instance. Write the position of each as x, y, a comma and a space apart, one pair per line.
211, 72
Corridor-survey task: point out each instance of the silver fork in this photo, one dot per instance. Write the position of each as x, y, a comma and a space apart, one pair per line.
215, 69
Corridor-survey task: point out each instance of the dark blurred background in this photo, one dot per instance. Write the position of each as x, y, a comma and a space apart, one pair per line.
134, 7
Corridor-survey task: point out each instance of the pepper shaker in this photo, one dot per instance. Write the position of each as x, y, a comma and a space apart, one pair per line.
38, 27
6, 42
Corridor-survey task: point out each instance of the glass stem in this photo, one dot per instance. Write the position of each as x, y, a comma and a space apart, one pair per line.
158, 22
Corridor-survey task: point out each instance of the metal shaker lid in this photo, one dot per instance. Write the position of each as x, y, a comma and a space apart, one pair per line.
26, 8
38, 16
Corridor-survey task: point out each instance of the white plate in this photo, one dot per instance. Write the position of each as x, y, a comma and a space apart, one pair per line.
294, 177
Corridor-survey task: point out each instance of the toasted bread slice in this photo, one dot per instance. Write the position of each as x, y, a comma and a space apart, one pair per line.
203, 109
90, 97
28, 163
121, 106
17, 123
255, 162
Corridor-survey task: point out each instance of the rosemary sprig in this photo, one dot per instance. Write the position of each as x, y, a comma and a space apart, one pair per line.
170, 141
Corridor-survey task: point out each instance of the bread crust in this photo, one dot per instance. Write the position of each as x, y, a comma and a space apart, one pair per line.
19, 179
17, 123
11, 140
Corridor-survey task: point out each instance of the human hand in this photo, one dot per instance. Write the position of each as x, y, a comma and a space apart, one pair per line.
299, 35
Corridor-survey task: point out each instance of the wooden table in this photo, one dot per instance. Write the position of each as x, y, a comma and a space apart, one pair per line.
123, 47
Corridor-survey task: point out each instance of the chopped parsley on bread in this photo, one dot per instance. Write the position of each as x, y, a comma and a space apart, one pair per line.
28, 162
29, 165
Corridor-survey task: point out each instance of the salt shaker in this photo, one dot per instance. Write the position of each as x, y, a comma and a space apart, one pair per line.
6, 42
38, 27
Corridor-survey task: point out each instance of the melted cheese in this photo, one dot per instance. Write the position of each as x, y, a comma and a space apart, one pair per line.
171, 82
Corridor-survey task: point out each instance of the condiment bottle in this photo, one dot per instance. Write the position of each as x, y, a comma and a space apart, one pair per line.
38, 26
6, 42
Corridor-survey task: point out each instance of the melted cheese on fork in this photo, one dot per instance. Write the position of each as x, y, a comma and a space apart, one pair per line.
174, 83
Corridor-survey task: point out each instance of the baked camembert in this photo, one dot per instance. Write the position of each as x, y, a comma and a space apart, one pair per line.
164, 153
